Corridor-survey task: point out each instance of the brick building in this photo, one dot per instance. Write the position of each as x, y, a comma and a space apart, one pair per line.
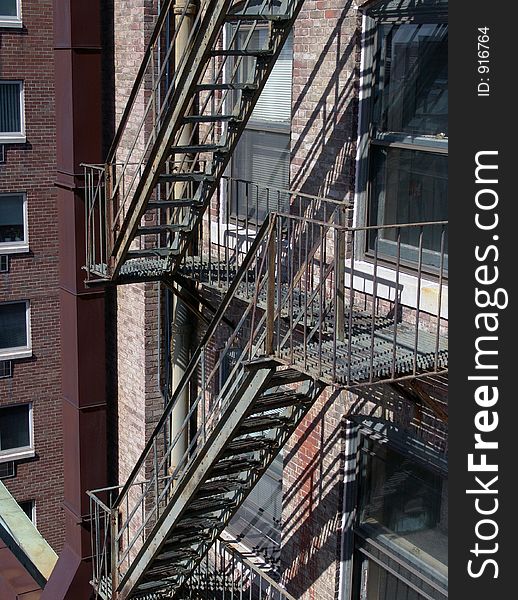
310, 255
31, 442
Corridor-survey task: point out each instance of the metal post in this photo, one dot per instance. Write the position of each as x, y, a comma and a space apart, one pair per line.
270, 292
340, 277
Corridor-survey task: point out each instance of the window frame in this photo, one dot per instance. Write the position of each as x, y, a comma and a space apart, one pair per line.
13, 21
16, 137
367, 141
21, 246
21, 452
17, 352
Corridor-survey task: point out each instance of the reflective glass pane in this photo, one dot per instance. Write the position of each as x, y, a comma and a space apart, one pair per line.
14, 427
7, 8
409, 186
13, 327
405, 503
412, 80
11, 219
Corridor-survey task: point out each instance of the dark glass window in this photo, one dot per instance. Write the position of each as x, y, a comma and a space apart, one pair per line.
13, 325
12, 228
409, 186
408, 143
404, 503
10, 107
14, 427
412, 80
8, 8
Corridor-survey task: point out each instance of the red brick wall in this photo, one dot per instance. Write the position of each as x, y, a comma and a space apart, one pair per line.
326, 57
27, 54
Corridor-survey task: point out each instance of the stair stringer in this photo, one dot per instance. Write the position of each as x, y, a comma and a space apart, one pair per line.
234, 413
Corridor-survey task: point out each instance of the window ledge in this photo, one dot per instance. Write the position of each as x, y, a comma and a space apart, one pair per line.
14, 138
11, 23
15, 353
386, 278
14, 248
17, 455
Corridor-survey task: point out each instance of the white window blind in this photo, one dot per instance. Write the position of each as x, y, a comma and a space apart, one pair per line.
274, 104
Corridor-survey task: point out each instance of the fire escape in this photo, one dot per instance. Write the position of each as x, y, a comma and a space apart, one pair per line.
161, 209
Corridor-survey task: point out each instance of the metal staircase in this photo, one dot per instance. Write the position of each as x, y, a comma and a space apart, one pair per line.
181, 124
309, 314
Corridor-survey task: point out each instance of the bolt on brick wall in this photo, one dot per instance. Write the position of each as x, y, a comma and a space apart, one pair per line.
27, 54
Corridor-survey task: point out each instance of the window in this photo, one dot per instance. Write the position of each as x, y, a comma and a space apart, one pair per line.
10, 14
12, 120
404, 150
404, 505
15, 339
263, 152
29, 508
13, 223
16, 437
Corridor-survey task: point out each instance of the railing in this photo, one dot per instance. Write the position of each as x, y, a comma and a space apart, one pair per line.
351, 306
165, 460
225, 573
156, 97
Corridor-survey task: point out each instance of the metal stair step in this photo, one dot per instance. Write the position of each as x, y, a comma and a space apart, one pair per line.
203, 506
244, 446
195, 148
179, 555
231, 466
244, 87
220, 486
151, 252
180, 203
187, 539
263, 53
190, 524
279, 400
257, 17
286, 377
165, 228
174, 177
210, 118
255, 424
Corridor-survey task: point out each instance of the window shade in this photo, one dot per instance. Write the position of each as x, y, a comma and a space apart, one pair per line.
10, 113
274, 104
263, 157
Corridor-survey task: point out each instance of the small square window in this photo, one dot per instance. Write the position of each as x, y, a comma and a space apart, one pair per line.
12, 119
29, 508
15, 340
16, 438
10, 13
13, 223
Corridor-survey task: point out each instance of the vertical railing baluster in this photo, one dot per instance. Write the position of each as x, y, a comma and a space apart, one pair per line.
396, 303
351, 307
374, 304
418, 299
439, 302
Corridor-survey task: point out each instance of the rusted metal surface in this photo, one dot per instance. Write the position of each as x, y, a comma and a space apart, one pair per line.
77, 41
